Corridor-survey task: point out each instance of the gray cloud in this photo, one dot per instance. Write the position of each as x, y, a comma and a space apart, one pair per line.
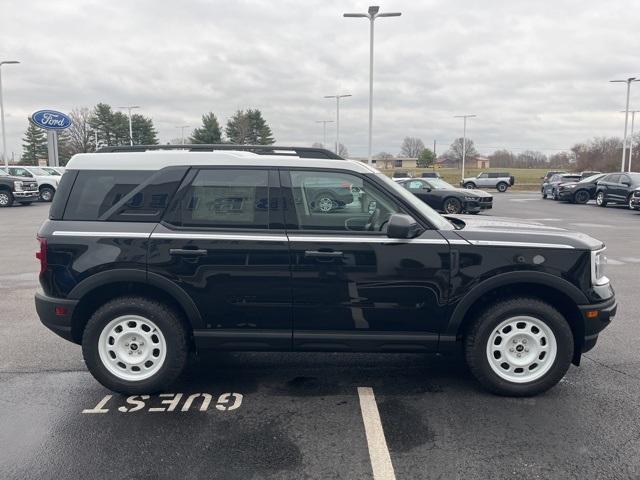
535, 73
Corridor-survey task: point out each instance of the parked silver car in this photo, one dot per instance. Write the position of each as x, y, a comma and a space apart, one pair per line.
501, 181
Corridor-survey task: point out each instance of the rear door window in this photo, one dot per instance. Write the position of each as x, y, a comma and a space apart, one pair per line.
224, 198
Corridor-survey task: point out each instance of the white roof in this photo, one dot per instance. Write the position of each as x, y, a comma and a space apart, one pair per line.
157, 159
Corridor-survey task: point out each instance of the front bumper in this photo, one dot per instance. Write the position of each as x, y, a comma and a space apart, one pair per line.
565, 194
26, 195
60, 321
596, 317
475, 206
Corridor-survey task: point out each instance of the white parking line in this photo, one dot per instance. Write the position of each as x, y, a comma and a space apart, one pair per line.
378, 451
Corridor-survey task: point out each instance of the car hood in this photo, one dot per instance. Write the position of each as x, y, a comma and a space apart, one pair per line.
505, 230
48, 178
477, 193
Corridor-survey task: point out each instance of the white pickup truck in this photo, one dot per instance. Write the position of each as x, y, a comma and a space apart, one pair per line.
501, 181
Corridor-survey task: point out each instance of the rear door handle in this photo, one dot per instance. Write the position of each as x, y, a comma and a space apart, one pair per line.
187, 251
321, 254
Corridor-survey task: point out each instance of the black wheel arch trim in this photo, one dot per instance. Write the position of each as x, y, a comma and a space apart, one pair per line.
145, 278
506, 279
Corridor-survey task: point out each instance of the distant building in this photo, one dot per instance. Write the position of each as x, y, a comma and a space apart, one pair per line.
481, 162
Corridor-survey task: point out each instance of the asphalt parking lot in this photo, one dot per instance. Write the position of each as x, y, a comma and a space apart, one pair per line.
299, 416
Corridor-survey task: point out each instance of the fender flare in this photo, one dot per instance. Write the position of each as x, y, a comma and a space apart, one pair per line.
510, 278
145, 278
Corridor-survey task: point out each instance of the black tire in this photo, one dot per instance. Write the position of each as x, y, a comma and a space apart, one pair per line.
544, 195
6, 198
601, 199
452, 205
168, 322
555, 194
469, 185
581, 197
502, 187
474, 213
46, 194
475, 346
26, 203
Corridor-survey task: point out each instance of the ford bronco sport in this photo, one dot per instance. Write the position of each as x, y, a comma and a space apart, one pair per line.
149, 255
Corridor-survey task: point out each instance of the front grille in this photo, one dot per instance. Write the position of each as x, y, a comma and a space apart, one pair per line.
486, 199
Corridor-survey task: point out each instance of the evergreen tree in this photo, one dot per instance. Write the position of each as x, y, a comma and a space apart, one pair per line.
102, 122
249, 128
34, 145
209, 132
426, 158
144, 133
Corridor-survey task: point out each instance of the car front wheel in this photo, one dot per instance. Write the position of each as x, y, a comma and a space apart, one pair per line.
135, 345
581, 197
452, 205
6, 198
519, 347
600, 199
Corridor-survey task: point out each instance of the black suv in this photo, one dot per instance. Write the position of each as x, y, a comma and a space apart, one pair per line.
617, 188
17, 189
579, 192
148, 256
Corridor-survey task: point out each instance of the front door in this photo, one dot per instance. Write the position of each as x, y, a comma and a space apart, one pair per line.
353, 287
223, 243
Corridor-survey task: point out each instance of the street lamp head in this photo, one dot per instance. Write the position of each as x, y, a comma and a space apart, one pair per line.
355, 15
373, 10
9, 62
390, 14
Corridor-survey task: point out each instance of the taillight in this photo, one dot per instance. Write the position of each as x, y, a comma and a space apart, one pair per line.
42, 254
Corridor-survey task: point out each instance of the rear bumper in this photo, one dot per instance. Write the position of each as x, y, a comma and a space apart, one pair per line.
596, 317
58, 322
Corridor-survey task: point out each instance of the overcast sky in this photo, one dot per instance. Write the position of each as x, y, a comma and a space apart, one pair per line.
535, 73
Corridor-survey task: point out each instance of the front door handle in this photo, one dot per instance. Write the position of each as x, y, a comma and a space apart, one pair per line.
187, 251
323, 254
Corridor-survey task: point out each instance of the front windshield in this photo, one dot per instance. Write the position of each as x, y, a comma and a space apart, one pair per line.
437, 220
439, 184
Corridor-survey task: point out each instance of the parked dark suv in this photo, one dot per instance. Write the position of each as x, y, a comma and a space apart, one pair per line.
147, 256
616, 188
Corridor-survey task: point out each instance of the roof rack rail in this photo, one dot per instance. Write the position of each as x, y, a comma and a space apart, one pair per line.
302, 152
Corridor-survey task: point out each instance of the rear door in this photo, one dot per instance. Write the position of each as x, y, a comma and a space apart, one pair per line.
353, 287
223, 242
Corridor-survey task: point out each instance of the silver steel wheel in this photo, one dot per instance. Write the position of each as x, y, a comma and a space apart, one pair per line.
452, 206
600, 198
46, 195
132, 348
4, 199
521, 349
325, 204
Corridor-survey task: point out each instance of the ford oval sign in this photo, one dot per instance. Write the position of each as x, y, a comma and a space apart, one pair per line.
51, 120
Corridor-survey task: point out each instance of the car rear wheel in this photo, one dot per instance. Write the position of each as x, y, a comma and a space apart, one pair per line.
519, 347
600, 199
581, 196
135, 345
452, 205
6, 198
502, 187
46, 194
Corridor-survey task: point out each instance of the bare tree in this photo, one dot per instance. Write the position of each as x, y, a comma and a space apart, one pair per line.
455, 150
79, 137
411, 147
342, 151
384, 158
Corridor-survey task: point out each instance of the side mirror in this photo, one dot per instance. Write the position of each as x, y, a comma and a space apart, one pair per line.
428, 189
402, 226
626, 184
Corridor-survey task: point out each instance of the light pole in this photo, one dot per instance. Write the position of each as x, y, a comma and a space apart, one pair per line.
182, 127
464, 138
633, 120
337, 97
4, 138
628, 81
372, 14
130, 127
324, 130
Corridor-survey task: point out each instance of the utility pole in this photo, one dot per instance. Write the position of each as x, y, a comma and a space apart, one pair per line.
464, 138
4, 137
324, 131
338, 97
628, 81
129, 108
372, 14
182, 127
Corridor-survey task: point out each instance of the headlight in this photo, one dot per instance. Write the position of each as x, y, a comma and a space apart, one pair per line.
598, 264
573, 185
17, 186
471, 199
